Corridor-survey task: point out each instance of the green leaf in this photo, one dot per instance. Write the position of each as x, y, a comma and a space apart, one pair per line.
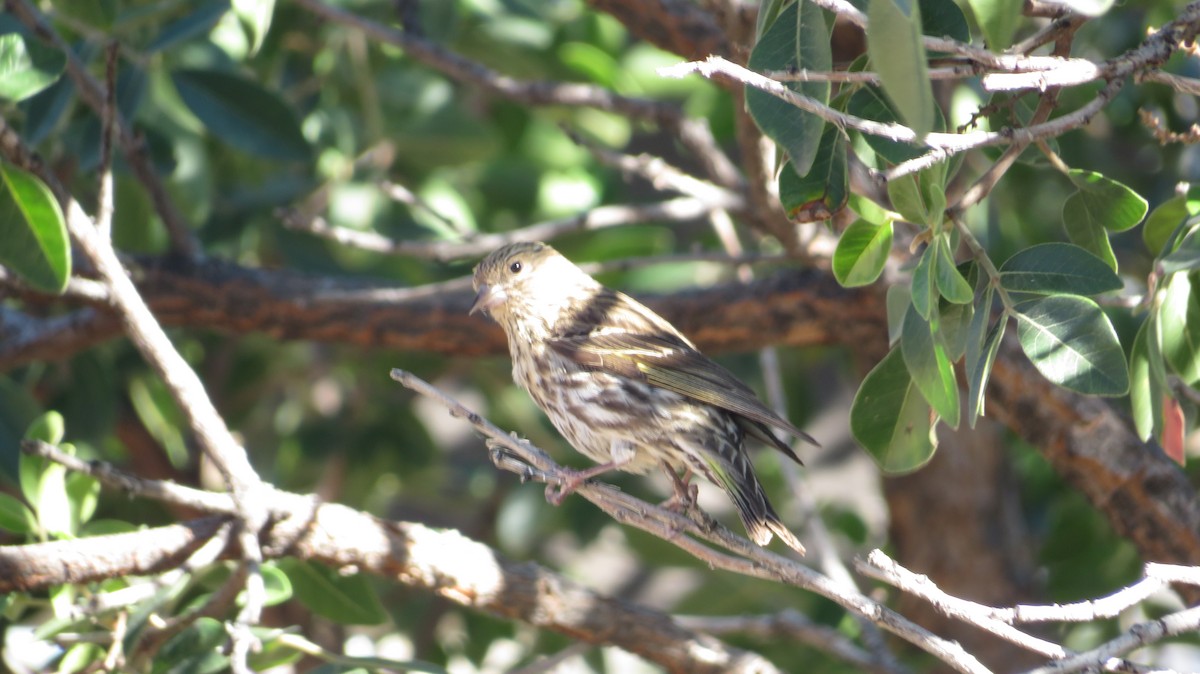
944, 18
15, 516
1184, 258
1180, 319
924, 288
891, 419
27, 67
954, 327
950, 283
1149, 380
1073, 344
83, 493
195, 650
50, 428
1058, 268
202, 17
256, 14
33, 230
898, 299
44, 110
798, 39
979, 368
1165, 219
276, 583
1085, 231
53, 505
349, 600
870, 103
824, 190
897, 52
242, 113
1107, 202
861, 253
929, 367
998, 19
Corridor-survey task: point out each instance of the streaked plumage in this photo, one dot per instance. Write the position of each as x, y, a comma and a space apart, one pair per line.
623, 385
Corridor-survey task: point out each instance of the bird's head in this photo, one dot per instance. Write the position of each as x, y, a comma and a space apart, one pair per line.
525, 282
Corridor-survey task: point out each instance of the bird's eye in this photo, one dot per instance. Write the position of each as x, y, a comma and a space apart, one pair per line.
515, 267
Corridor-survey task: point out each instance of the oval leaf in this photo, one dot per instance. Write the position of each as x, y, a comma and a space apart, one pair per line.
242, 114
1073, 344
861, 253
1107, 202
823, 191
33, 230
1058, 268
897, 52
1086, 231
798, 39
890, 418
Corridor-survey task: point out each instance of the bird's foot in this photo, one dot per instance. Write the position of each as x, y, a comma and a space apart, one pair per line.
685, 493
568, 482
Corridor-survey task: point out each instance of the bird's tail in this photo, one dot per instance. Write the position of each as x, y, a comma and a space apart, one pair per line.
761, 522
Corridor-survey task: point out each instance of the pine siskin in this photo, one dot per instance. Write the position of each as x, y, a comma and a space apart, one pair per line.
624, 386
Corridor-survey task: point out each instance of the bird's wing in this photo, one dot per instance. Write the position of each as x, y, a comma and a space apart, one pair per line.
668, 361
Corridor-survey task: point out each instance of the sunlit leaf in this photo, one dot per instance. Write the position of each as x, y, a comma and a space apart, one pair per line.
256, 15
1073, 344
27, 67
1107, 202
33, 231
861, 253
1054, 268
1166, 218
891, 419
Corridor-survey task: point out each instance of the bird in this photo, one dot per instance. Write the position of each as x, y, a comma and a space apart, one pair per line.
625, 387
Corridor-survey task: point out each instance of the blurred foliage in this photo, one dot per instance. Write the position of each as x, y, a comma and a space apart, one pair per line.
246, 110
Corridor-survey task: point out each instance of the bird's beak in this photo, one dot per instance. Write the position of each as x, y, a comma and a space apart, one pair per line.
488, 298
